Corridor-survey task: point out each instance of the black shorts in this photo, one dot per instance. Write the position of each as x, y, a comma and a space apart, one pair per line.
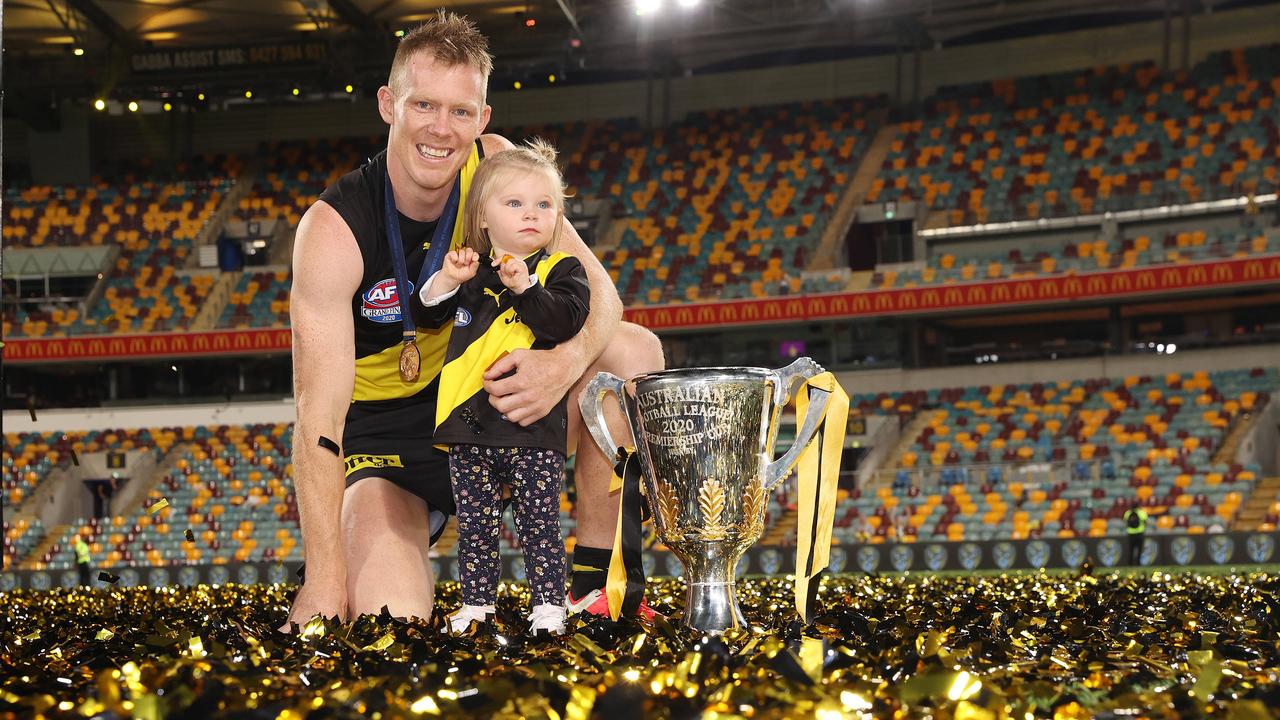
375, 445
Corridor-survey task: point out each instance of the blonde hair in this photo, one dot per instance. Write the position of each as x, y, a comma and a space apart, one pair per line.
537, 156
451, 39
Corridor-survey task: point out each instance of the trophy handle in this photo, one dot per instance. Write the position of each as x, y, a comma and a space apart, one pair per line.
593, 412
801, 369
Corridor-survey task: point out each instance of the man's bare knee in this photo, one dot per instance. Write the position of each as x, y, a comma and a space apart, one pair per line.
385, 535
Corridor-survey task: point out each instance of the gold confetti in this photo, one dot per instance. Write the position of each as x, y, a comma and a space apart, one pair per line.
158, 505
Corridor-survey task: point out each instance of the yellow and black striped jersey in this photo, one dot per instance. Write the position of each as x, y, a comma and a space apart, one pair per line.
490, 321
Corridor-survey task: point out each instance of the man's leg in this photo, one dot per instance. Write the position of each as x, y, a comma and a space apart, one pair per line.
633, 351
385, 534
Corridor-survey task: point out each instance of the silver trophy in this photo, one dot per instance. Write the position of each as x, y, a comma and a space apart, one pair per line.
705, 438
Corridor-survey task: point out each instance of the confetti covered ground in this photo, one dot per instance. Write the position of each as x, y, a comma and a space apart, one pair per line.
1036, 645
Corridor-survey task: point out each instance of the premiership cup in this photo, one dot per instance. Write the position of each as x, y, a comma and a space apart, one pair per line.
705, 438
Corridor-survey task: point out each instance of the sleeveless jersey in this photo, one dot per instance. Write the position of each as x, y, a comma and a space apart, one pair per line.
400, 409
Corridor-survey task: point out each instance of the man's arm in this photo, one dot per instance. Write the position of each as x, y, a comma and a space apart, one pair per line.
326, 274
543, 377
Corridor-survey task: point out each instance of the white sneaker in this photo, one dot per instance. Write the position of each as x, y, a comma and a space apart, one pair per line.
548, 619
461, 620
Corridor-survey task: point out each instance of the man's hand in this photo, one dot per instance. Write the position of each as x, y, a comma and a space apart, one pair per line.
317, 597
513, 273
541, 379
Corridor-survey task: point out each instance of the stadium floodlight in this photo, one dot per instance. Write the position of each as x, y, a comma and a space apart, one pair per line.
99, 104
349, 88
248, 94
168, 107
1171, 348
517, 85
688, 4
133, 106
200, 97
296, 92
551, 79
648, 7
78, 52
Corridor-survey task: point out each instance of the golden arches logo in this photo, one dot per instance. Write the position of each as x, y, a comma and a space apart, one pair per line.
1098, 285
751, 311
684, 316
953, 296
1146, 280
1072, 287
1000, 293
1222, 273
1023, 291
1120, 282
1254, 270
1170, 277
1197, 275
1048, 288
908, 299
977, 294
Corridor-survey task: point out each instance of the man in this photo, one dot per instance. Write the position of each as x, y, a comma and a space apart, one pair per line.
1135, 524
83, 561
366, 539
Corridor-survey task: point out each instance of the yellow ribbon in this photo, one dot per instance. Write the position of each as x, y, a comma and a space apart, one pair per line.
817, 479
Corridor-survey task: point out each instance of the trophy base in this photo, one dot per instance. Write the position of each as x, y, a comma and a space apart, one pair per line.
712, 607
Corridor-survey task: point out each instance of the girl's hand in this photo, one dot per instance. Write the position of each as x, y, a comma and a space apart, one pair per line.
461, 265
513, 273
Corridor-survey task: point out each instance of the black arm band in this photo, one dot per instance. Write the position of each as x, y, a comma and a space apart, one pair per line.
330, 445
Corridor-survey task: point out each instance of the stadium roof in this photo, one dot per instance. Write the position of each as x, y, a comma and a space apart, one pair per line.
588, 38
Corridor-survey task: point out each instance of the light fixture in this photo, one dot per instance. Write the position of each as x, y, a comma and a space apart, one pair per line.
518, 85
530, 22
168, 107
648, 7
296, 91
99, 104
688, 4
350, 89
78, 52
200, 96
551, 79
248, 94
399, 33
133, 106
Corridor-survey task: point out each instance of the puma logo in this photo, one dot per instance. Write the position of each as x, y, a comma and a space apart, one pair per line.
497, 296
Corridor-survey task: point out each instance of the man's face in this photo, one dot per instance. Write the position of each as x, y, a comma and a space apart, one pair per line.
435, 115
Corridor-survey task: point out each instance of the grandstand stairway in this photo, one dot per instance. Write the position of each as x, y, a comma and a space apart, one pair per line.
219, 295
778, 530
1227, 452
828, 254
908, 435
1260, 502
51, 538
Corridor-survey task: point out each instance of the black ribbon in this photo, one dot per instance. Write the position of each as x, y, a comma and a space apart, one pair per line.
628, 468
440, 242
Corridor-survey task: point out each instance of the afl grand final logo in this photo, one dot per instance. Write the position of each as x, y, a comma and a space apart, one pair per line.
970, 555
1073, 553
838, 559
1002, 553
1182, 549
381, 303
1037, 553
1109, 552
935, 557
1220, 548
1260, 547
901, 556
868, 559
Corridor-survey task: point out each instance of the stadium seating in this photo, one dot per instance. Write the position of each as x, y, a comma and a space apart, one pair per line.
975, 469
153, 224
260, 299
949, 266
1085, 142
724, 204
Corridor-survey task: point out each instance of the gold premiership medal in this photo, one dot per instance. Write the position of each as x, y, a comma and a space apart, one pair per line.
410, 362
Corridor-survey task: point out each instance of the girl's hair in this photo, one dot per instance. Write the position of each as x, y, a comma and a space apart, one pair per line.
538, 156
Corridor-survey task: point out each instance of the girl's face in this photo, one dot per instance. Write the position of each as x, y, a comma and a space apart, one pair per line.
520, 214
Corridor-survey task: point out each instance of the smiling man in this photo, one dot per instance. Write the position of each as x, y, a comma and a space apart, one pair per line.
372, 490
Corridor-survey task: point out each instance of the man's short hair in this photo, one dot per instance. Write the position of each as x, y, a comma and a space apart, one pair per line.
451, 39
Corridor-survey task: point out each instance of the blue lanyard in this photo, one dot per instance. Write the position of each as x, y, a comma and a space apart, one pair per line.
440, 242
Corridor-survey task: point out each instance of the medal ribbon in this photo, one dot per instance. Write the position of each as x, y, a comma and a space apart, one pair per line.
440, 241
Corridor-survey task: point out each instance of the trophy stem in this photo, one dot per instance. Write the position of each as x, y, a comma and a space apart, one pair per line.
712, 604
